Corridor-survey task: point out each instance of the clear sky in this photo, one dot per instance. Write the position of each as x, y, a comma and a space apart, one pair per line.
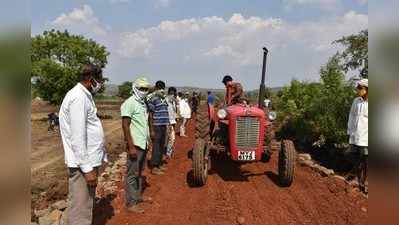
194, 43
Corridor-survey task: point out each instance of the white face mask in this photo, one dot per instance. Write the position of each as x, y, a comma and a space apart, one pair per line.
140, 94
96, 88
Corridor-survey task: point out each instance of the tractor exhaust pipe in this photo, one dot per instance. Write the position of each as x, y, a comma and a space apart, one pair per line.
262, 88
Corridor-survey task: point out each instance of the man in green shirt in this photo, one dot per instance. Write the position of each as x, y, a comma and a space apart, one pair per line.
137, 136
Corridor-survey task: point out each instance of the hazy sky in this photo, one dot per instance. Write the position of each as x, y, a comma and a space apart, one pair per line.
194, 43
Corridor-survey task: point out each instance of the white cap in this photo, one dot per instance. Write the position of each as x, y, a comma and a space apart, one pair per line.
363, 83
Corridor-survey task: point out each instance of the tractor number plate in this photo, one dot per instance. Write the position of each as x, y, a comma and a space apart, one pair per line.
246, 155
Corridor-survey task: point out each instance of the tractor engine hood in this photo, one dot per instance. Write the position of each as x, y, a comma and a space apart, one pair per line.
241, 110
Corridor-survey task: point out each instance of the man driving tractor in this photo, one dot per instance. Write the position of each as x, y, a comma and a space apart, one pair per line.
234, 91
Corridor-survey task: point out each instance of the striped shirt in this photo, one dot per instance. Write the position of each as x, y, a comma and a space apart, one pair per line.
159, 107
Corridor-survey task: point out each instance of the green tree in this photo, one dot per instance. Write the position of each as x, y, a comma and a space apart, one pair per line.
125, 90
331, 111
317, 113
56, 58
355, 55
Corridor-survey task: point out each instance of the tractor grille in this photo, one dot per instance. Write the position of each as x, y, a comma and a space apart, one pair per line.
247, 133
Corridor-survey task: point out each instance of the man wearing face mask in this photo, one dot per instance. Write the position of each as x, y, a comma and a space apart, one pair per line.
358, 133
159, 121
83, 140
137, 136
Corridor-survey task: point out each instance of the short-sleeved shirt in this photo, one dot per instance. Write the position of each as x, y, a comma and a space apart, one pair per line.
171, 100
137, 111
211, 99
159, 107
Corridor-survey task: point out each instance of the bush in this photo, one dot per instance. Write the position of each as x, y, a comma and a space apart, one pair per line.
317, 113
125, 90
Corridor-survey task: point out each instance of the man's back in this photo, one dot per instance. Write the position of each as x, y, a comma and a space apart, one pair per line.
234, 93
211, 99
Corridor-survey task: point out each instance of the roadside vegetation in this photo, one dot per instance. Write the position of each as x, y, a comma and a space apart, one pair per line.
315, 114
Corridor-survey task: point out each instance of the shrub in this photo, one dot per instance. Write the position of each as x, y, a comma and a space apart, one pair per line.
317, 113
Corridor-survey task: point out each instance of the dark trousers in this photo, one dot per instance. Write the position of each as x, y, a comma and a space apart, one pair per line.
134, 178
158, 147
359, 157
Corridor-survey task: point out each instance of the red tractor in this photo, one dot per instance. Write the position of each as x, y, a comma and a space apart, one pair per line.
243, 132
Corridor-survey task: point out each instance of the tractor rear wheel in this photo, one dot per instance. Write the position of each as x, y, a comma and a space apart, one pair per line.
200, 164
202, 123
201, 160
286, 163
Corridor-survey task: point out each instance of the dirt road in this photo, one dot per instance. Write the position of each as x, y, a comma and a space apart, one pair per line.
250, 192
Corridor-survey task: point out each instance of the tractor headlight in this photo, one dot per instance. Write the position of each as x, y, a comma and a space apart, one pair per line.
222, 113
272, 115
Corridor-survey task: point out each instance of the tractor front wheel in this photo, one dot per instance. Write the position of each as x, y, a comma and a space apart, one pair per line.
286, 163
200, 163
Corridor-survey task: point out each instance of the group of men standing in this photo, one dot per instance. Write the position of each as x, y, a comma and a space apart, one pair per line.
149, 117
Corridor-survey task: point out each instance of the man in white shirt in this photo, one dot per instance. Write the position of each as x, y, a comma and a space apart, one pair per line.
83, 140
358, 132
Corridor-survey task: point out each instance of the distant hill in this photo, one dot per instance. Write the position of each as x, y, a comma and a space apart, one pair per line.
201, 90
112, 89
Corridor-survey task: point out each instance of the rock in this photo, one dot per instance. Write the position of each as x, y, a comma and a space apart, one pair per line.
64, 218
339, 177
115, 178
41, 213
305, 156
105, 175
108, 170
364, 209
45, 220
326, 172
55, 215
120, 162
308, 163
123, 155
354, 183
315, 167
240, 220
100, 179
60, 205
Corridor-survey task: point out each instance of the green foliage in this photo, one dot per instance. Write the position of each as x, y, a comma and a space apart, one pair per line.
355, 55
220, 97
56, 59
317, 113
253, 96
125, 90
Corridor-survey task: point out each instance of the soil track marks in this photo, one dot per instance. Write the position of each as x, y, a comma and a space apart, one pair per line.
48, 149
